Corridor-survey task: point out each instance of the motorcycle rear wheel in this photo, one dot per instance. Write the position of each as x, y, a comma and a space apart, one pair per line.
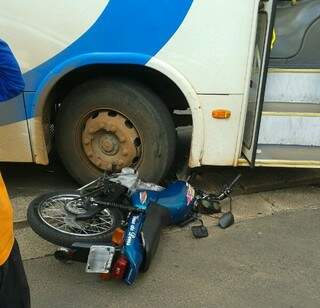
48, 217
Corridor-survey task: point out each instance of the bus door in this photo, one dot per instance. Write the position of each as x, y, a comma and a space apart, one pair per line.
258, 79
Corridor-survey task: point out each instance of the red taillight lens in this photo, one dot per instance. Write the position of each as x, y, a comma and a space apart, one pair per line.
120, 267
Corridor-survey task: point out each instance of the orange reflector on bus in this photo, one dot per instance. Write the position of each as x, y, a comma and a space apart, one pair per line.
221, 114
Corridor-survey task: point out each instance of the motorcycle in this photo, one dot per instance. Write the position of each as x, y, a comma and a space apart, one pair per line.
114, 223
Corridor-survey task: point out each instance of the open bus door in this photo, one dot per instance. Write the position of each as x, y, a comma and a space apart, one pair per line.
265, 22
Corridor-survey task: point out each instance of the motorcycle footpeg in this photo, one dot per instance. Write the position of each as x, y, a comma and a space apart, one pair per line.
199, 231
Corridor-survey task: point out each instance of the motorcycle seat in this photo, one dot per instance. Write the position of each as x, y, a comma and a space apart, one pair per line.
157, 217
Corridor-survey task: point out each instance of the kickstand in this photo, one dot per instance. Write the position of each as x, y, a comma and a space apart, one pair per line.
188, 221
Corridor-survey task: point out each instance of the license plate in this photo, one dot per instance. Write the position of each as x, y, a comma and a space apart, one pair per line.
100, 259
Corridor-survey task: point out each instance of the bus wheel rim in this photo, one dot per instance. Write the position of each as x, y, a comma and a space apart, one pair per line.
110, 141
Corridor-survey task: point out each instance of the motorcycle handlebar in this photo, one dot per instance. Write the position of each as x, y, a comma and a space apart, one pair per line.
234, 182
226, 191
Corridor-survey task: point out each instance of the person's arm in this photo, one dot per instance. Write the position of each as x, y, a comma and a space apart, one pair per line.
11, 81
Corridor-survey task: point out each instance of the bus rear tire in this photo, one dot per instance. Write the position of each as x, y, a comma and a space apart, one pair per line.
108, 124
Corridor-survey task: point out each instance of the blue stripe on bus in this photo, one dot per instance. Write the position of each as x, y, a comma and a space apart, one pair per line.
138, 27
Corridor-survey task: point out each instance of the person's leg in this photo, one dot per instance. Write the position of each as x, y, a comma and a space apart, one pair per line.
14, 289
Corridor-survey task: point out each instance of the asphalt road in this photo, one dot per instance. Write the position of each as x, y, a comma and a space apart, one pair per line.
266, 262
269, 258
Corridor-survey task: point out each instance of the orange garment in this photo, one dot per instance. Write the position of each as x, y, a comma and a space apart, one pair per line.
6, 224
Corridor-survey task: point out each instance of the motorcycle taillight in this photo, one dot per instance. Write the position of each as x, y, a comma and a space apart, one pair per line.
119, 267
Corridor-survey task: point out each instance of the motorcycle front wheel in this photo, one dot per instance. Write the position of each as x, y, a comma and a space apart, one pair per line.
53, 217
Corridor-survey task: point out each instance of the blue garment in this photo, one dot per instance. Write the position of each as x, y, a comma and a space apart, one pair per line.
11, 81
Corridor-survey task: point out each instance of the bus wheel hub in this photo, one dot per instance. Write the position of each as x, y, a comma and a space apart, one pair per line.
110, 141
109, 144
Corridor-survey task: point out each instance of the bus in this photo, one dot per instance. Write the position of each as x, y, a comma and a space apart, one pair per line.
105, 80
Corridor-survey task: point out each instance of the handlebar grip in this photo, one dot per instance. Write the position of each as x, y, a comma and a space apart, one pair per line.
234, 181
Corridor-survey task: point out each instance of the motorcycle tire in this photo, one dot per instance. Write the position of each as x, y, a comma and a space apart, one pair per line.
62, 229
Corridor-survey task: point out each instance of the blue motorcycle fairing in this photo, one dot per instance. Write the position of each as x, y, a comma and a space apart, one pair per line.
133, 248
177, 198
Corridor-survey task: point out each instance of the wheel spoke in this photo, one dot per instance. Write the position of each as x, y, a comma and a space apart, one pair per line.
53, 212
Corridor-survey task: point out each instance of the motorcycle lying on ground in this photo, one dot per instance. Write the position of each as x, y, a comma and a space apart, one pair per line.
114, 223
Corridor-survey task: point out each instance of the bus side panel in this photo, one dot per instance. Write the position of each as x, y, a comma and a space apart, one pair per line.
213, 50
14, 135
38, 30
212, 46
37, 126
221, 136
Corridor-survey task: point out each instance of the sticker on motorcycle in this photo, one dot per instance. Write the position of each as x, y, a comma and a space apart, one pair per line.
143, 197
190, 194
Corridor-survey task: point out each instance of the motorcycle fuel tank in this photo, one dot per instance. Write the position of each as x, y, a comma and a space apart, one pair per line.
177, 198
